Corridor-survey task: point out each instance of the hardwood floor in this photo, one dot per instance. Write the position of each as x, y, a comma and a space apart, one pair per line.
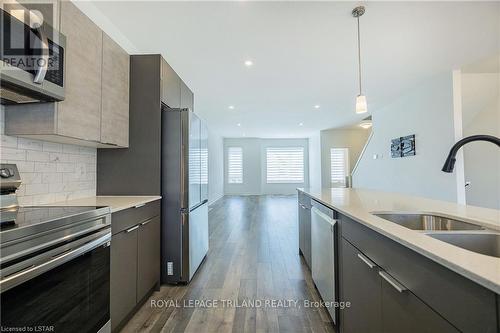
253, 256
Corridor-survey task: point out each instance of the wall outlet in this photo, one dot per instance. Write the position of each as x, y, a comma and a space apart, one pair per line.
170, 268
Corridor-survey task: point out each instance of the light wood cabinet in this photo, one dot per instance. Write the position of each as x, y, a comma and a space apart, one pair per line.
95, 111
115, 96
79, 115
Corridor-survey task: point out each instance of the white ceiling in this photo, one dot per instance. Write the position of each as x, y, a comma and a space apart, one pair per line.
304, 53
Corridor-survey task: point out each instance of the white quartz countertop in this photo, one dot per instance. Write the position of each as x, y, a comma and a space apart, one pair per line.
116, 203
359, 203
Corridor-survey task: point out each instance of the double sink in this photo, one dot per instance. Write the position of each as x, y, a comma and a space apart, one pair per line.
463, 234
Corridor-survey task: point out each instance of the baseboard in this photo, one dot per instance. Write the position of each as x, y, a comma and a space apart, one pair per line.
210, 203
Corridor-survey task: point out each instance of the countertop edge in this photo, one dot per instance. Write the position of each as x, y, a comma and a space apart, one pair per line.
122, 202
491, 285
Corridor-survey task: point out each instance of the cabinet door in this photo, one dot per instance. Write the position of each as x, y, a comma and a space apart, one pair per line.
148, 256
123, 274
115, 93
404, 312
79, 115
187, 97
361, 286
307, 236
170, 86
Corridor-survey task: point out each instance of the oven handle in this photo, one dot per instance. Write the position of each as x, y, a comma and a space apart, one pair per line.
24, 275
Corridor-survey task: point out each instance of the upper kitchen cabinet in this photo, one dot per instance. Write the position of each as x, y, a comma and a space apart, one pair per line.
170, 86
95, 111
79, 115
115, 96
187, 97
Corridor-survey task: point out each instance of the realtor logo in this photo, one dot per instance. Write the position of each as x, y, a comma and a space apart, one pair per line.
28, 34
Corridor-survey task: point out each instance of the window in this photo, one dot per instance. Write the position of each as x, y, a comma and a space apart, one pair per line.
235, 165
285, 165
339, 163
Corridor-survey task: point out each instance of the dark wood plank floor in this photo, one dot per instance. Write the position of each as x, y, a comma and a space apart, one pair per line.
253, 256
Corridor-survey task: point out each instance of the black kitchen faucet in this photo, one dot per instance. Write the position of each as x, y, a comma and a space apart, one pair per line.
449, 164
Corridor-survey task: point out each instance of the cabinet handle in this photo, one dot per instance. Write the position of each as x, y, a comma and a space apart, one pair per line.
132, 229
392, 281
145, 222
140, 205
367, 261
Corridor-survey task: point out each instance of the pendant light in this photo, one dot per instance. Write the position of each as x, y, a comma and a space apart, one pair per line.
361, 106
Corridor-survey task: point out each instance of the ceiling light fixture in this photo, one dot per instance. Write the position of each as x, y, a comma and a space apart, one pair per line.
301, 124
231, 107
248, 63
366, 123
238, 124
317, 106
361, 105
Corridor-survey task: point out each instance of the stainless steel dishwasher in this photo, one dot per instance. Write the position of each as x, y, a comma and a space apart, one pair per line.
324, 259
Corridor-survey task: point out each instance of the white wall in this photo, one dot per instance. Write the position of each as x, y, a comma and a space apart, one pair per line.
49, 172
426, 111
254, 166
215, 167
481, 115
315, 161
354, 139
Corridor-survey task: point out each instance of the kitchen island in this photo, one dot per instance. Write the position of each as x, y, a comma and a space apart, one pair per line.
399, 279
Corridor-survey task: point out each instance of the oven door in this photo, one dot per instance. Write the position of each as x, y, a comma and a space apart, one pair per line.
65, 289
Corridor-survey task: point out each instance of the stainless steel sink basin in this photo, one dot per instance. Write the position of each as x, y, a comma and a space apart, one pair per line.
427, 222
483, 243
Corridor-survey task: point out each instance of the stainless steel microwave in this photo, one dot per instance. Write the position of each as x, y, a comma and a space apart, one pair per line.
31, 62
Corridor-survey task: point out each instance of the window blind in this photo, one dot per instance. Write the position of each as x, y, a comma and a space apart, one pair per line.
339, 161
235, 165
285, 165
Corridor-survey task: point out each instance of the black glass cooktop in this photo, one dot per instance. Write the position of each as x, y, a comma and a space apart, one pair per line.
20, 217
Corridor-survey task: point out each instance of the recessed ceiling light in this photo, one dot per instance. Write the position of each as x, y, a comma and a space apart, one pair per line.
238, 124
248, 63
317, 106
366, 124
301, 124
231, 107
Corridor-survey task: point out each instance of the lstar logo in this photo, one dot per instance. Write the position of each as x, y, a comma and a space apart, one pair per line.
28, 35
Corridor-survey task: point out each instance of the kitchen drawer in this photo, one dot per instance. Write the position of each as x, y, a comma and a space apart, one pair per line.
127, 218
467, 305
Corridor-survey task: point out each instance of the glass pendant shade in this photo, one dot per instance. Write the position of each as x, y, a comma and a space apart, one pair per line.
361, 106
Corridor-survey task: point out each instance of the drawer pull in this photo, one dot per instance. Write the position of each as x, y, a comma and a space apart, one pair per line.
392, 281
367, 261
132, 229
140, 205
145, 222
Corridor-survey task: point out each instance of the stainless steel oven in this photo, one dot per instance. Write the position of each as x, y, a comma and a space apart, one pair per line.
55, 269
54, 264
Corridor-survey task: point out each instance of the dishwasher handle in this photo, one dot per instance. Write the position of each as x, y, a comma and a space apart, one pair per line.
324, 217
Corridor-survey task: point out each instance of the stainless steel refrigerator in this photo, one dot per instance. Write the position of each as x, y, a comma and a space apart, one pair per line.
184, 178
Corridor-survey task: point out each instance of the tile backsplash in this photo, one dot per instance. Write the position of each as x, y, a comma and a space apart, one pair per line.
49, 171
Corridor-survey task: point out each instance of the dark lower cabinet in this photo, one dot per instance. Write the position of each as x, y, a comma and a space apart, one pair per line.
380, 303
304, 217
361, 286
123, 275
148, 256
135, 260
404, 312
